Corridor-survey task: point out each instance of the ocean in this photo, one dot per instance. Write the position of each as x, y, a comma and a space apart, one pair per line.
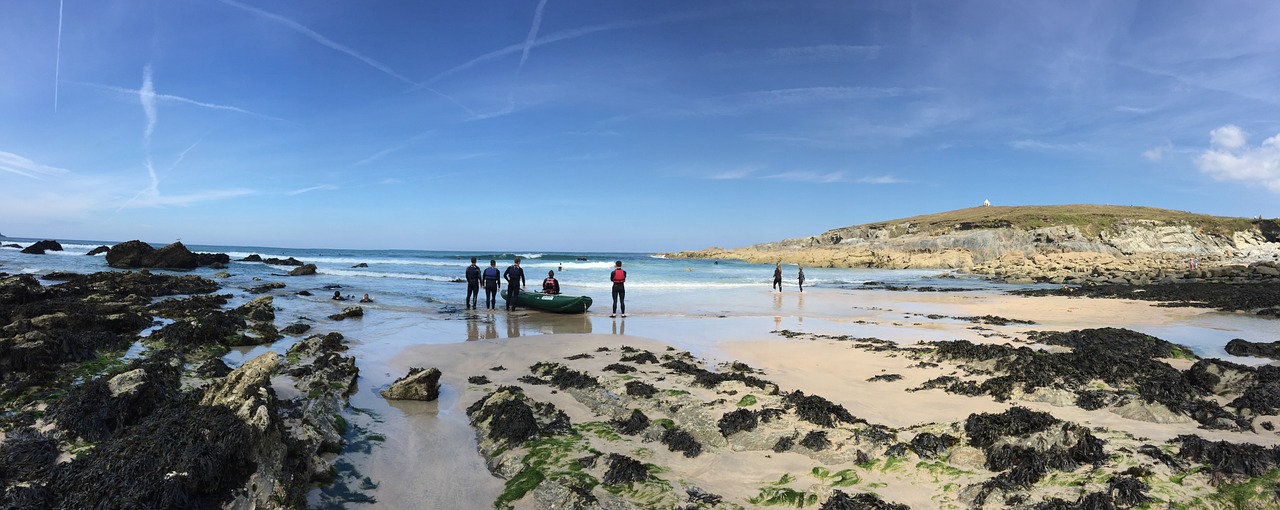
430, 279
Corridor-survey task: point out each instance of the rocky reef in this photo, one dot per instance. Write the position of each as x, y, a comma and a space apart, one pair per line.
1057, 244
97, 414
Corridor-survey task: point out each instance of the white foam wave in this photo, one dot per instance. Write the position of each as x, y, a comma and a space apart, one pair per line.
382, 274
529, 255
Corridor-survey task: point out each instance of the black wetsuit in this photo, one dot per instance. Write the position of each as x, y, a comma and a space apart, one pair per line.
777, 279
619, 290
515, 280
491, 277
473, 286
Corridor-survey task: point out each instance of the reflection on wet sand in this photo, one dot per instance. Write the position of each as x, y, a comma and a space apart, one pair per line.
620, 327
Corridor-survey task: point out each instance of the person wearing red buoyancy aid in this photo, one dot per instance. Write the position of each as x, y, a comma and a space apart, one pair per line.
551, 285
618, 277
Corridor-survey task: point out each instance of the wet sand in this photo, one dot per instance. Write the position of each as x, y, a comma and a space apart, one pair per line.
429, 459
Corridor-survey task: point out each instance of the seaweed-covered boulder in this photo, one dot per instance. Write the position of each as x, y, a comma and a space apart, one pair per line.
839, 500
506, 418
40, 247
259, 309
1241, 347
418, 384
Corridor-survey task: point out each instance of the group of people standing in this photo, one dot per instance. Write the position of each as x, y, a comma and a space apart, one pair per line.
777, 277
514, 275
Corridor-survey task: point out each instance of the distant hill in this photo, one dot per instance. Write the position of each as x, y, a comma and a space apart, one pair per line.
980, 239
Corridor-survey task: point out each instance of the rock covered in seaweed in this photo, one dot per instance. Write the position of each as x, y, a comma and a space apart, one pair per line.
419, 384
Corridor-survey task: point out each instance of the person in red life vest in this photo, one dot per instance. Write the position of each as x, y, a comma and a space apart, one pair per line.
618, 277
551, 285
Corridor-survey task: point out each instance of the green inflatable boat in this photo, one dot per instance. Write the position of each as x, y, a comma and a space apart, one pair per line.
557, 303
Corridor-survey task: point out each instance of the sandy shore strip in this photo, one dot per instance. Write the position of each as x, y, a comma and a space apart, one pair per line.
427, 432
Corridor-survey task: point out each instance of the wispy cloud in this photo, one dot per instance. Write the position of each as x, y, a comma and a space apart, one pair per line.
749, 102
1231, 158
15, 164
733, 174
881, 179
313, 188
1157, 153
806, 176
1029, 144
147, 96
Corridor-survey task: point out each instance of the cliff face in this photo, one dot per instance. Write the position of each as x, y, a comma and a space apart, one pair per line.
984, 240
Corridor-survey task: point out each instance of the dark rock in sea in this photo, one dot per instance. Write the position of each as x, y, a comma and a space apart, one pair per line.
418, 384
59, 276
348, 313
634, 424
296, 329
624, 470
40, 247
99, 250
266, 287
1241, 347
11, 245
217, 265
679, 440
282, 262
214, 367
362, 264
254, 257
304, 270
137, 254
839, 500
260, 309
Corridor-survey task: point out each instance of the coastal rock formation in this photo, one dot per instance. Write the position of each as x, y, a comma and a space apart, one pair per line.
1058, 244
348, 313
99, 250
137, 254
40, 247
418, 384
161, 438
304, 270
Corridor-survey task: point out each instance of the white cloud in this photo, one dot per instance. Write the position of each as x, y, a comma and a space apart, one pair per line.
807, 176
1229, 136
313, 188
1230, 158
734, 174
13, 163
1157, 153
147, 96
881, 179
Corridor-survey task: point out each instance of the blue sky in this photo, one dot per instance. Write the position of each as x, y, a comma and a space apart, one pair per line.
563, 125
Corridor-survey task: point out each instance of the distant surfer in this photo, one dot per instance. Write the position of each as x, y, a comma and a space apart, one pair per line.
514, 276
366, 299
619, 277
473, 285
337, 295
800, 279
777, 277
491, 277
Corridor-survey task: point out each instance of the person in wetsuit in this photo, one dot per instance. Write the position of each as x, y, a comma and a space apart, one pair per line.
551, 285
473, 284
491, 277
618, 277
777, 277
800, 279
514, 276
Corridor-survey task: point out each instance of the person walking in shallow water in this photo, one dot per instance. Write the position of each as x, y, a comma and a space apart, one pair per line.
515, 283
473, 284
800, 279
491, 277
777, 277
619, 278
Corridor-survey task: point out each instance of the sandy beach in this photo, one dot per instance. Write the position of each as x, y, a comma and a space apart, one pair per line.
429, 457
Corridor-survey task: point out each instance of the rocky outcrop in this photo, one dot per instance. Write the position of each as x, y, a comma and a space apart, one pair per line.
348, 313
42, 246
137, 254
304, 270
99, 250
418, 384
1028, 244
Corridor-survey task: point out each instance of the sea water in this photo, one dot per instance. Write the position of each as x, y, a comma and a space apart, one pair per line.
408, 279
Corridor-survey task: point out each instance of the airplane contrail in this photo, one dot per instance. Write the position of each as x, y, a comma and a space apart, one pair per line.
57, 59
533, 35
